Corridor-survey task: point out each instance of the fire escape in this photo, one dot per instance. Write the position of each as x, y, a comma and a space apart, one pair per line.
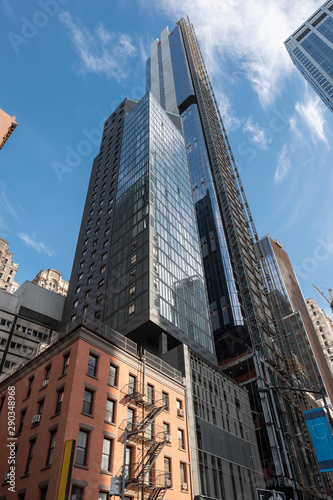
142, 476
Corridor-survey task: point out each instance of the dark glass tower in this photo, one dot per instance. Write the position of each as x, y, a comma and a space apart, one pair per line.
311, 50
138, 242
243, 327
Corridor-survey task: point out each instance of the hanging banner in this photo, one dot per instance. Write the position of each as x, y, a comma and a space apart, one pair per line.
322, 438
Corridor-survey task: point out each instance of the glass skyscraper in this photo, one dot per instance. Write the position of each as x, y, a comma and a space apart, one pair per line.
139, 242
242, 323
311, 50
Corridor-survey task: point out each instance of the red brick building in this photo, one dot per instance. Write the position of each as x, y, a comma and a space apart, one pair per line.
89, 388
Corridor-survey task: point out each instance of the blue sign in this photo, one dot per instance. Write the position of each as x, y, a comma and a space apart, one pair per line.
322, 438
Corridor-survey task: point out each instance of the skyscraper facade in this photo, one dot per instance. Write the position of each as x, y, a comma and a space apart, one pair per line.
282, 291
138, 243
290, 309
242, 324
311, 50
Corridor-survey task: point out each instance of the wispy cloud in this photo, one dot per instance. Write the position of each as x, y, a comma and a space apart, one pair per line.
283, 164
8, 202
102, 52
230, 120
248, 32
312, 111
258, 136
39, 246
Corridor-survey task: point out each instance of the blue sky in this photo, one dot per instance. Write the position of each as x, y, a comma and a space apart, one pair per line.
66, 65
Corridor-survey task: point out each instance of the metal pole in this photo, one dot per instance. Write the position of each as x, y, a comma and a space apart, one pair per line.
124, 467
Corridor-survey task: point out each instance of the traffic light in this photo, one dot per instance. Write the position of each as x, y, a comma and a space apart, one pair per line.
115, 486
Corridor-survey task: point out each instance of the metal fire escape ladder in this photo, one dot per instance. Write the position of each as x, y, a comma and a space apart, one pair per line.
238, 223
141, 476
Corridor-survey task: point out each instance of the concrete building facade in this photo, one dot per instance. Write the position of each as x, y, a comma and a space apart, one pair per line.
7, 125
27, 320
324, 329
51, 280
8, 268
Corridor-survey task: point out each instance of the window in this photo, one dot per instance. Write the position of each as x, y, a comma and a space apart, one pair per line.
106, 454
130, 418
77, 493
40, 407
167, 471
89, 280
82, 446
181, 443
87, 401
66, 363
133, 259
75, 303
43, 493
183, 479
110, 407
166, 431
101, 283
59, 401
102, 495
102, 270
131, 384
92, 365
150, 394
132, 290
128, 462
131, 309
30, 455
104, 256
31, 380
179, 405
51, 448
47, 373
99, 298
23, 413
113, 375
165, 400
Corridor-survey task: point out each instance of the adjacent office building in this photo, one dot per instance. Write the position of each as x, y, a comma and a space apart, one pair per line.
28, 318
311, 50
324, 329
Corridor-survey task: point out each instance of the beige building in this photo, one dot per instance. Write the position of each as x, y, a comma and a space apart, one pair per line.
7, 125
324, 330
8, 268
51, 280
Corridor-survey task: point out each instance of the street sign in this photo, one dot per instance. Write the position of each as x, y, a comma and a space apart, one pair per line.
271, 495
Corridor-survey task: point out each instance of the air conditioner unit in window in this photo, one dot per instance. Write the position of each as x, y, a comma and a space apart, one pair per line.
46, 383
168, 438
168, 483
184, 486
180, 412
36, 418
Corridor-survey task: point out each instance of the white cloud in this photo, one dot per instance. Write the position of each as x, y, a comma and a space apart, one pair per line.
230, 121
283, 164
36, 245
103, 52
258, 135
312, 111
248, 32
